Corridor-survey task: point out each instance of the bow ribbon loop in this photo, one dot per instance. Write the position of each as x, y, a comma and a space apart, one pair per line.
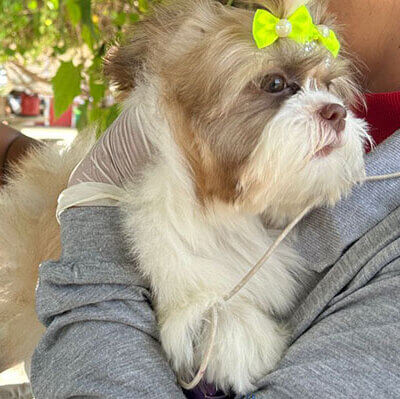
328, 38
267, 29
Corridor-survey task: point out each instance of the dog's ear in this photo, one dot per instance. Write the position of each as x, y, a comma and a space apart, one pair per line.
123, 63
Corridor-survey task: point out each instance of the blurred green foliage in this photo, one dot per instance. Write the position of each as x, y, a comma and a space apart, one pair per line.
75, 35
72, 35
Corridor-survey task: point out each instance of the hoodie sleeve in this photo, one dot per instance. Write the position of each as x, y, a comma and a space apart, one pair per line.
101, 334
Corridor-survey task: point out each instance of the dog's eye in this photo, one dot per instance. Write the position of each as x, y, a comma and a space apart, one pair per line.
273, 83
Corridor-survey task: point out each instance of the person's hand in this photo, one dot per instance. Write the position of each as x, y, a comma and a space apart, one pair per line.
13, 146
101, 175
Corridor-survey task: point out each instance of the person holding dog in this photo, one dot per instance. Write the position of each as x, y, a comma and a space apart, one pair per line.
101, 339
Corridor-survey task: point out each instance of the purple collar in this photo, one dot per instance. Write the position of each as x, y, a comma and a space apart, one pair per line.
206, 391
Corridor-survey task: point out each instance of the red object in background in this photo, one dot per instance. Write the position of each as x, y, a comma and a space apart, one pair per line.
30, 105
382, 114
64, 120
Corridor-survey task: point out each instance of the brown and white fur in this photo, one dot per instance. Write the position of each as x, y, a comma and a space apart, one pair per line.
231, 163
29, 234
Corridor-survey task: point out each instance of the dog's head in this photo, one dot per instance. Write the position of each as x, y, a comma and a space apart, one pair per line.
261, 129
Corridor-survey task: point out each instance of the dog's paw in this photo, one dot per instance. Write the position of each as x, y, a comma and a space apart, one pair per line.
184, 333
248, 346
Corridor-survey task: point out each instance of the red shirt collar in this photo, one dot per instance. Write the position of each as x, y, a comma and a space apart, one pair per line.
383, 114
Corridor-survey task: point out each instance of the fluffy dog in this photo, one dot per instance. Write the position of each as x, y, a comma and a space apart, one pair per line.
243, 140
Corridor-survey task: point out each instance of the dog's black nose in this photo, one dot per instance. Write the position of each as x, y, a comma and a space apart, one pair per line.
335, 114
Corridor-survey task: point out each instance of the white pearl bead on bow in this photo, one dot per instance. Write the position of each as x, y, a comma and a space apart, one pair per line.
283, 28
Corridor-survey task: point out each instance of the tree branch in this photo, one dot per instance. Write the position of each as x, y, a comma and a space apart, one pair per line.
33, 76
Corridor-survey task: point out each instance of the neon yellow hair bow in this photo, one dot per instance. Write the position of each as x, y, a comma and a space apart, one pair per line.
267, 29
328, 38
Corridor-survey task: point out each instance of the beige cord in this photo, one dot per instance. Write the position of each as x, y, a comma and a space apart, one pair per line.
233, 292
266, 256
383, 177
207, 356
196, 380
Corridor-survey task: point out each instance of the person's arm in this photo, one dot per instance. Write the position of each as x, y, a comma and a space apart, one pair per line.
351, 349
13, 146
101, 336
346, 331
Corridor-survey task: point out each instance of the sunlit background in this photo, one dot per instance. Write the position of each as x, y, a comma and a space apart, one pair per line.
51, 56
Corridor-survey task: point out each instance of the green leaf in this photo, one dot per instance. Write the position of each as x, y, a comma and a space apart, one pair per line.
32, 5
112, 114
59, 50
66, 86
86, 10
21, 50
82, 116
9, 52
134, 17
97, 65
74, 11
103, 117
89, 31
119, 18
87, 36
143, 5
17, 7
97, 90
53, 4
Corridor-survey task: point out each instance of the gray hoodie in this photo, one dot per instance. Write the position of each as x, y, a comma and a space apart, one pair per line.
101, 339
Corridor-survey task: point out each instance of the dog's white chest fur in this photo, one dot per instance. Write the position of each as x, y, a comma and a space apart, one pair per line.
193, 257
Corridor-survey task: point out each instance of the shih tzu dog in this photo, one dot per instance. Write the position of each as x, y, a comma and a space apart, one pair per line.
248, 115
